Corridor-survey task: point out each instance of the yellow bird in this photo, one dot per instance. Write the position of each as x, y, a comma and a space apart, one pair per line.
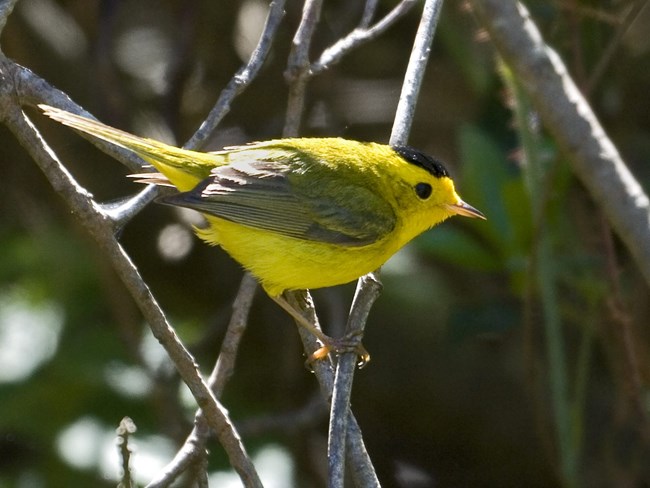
299, 213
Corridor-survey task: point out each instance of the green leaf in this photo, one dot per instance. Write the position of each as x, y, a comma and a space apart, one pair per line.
453, 245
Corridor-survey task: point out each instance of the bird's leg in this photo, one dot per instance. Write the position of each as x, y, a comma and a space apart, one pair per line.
344, 344
301, 319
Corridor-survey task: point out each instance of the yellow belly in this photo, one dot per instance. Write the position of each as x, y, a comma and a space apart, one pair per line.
284, 263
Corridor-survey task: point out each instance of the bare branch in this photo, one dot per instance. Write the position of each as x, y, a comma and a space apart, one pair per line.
194, 446
415, 72
369, 286
192, 450
360, 35
630, 16
6, 6
123, 212
569, 118
124, 432
368, 290
297, 73
99, 226
225, 365
356, 455
368, 12
242, 78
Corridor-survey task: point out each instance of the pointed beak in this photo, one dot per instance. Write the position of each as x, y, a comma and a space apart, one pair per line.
466, 210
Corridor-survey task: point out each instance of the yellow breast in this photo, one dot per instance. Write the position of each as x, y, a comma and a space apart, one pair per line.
284, 263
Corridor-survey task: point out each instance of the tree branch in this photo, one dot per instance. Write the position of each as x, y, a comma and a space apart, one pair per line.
6, 7
569, 118
98, 224
415, 72
124, 431
242, 78
360, 35
357, 457
369, 287
194, 446
297, 73
368, 290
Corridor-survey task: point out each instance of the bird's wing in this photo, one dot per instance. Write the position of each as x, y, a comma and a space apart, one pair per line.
324, 207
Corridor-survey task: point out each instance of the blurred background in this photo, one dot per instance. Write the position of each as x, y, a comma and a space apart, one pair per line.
512, 352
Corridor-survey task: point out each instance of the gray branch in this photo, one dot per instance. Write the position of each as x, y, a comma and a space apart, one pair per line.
297, 73
369, 286
361, 34
569, 118
415, 72
194, 446
6, 7
242, 78
101, 228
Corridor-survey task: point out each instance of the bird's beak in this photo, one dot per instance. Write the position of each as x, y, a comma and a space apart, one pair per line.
466, 210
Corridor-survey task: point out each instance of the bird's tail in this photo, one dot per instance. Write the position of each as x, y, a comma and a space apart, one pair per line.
180, 167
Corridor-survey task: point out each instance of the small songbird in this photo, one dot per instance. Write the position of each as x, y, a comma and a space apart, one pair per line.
299, 213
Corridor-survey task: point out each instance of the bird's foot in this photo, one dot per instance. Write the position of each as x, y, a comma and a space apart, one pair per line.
348, 343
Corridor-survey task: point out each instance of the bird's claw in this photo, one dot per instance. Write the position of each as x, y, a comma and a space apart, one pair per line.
348, 343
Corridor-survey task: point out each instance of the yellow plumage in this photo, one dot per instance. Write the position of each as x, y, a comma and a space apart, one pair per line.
299, 213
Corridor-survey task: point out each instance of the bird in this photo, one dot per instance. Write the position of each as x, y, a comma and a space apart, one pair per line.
298, 213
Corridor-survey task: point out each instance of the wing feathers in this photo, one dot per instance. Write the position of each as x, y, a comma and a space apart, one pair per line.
260, 194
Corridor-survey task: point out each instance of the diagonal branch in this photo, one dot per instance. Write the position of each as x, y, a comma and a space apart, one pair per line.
101, 228
242, 78
569, 118
360, 35
194, 446
6, 6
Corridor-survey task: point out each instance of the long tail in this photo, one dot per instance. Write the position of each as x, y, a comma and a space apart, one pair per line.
183, 168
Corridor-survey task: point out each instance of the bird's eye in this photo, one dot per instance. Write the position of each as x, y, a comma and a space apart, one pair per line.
423, 190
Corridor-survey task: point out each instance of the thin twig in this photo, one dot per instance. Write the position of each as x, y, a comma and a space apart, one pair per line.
192, 450
124, 431
121, 213
194, 446
569, 118
632, 13
368, 13
357, 457
369, 286
368, 290
298, 75
415, 72
360, 35
242, 78
297, 72
225, 365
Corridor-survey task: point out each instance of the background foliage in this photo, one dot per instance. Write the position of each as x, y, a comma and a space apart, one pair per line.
460, 389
